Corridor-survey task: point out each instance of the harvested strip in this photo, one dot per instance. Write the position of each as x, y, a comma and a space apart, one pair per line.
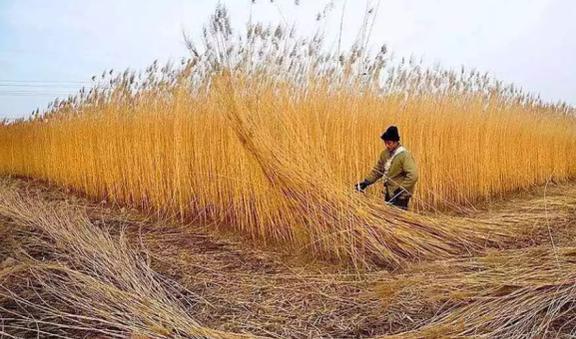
92, 282
512, 294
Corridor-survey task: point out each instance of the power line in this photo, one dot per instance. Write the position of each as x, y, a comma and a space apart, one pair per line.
39, 92
32, 86
54, 95
45, 81
31, 95
37, 89
35, 92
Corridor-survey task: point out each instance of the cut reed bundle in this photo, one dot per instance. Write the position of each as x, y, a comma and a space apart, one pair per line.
511, 294
73, 277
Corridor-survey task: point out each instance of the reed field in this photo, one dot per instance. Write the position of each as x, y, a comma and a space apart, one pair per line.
260, 135
265, 133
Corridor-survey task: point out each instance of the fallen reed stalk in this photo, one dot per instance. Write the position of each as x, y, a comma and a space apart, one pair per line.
88, 280
511, 294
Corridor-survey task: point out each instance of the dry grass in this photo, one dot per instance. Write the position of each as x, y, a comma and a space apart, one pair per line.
221, 284
233, 287
512, 294
73, 277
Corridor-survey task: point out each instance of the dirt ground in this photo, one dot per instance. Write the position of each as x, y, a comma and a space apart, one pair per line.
255, 290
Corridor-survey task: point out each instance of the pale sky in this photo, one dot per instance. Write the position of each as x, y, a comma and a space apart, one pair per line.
49, 48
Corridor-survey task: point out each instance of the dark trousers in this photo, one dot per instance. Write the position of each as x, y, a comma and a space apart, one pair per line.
401, 203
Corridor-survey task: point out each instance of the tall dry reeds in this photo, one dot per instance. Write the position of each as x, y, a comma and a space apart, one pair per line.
265, 133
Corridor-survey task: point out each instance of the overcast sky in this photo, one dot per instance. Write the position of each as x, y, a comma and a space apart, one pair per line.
51, 48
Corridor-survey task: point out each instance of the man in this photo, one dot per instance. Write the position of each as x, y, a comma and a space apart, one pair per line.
397, 167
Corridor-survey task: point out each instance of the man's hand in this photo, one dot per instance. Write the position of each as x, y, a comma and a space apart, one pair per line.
361, 186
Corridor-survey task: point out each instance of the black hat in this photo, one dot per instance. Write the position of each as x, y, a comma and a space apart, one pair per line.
391, 134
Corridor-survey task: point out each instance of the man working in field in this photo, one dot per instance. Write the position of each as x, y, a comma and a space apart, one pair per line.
397, 167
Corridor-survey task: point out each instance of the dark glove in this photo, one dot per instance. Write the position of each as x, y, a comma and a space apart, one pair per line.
399, 195
361, 186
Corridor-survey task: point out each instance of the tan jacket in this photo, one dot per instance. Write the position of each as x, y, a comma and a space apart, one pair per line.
403, 173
